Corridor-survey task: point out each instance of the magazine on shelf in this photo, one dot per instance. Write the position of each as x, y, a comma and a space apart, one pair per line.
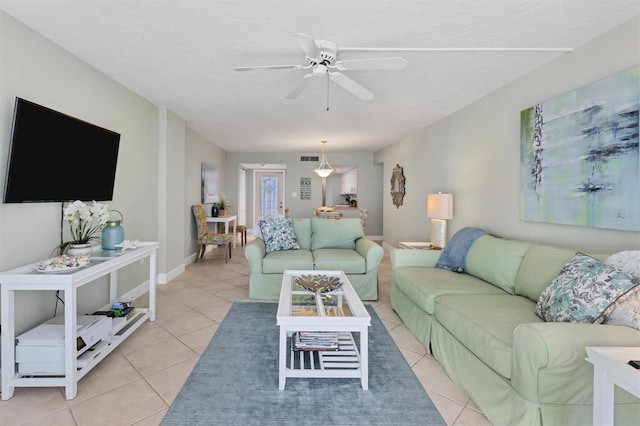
315, 341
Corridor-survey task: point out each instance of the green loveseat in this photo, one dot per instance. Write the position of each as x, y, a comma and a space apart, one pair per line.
325, 244
481, 326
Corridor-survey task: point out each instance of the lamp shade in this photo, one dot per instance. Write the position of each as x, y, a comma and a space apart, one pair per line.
440, 206
323, 172
324, 169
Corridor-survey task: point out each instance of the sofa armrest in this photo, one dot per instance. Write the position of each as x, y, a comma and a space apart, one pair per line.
255, 251
548, 362
420, 258
371, 251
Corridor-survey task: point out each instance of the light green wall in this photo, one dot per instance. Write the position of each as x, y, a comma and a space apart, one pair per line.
36, 69
475, 154
198, 150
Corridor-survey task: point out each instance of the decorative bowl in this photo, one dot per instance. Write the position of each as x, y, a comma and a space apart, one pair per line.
319, 283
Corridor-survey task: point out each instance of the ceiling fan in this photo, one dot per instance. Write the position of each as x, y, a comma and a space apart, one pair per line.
320, 57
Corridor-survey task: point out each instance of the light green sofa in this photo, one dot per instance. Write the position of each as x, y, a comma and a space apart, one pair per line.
481, 327
325, 244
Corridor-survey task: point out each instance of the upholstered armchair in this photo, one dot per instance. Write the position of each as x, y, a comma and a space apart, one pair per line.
205, 238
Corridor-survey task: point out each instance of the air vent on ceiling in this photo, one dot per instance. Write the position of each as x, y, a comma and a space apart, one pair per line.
309, 158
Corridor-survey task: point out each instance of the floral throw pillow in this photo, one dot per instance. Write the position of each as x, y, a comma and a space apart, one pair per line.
278, 234
583, 291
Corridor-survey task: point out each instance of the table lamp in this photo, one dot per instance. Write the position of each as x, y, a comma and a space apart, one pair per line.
439, 209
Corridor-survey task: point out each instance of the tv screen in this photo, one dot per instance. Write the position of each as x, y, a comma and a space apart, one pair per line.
56, 158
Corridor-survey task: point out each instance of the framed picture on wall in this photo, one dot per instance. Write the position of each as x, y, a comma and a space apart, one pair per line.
209, 184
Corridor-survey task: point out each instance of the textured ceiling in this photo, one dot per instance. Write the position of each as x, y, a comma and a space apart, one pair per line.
181, 54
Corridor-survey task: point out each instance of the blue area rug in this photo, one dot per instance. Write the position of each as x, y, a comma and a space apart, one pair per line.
235, 382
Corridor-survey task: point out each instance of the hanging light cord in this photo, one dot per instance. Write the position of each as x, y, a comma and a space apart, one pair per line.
327, 91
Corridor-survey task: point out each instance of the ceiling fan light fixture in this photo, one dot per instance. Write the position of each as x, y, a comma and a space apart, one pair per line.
324, 169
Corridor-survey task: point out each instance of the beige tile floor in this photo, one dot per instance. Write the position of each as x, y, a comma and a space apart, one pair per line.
137, 382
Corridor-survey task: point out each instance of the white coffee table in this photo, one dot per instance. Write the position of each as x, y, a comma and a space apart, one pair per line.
340, 311
610, 367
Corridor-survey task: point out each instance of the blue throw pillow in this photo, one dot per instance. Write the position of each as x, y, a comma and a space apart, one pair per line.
278, 234
584, 291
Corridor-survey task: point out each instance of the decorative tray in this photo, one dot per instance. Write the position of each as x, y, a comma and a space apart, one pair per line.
319, 283
62, 263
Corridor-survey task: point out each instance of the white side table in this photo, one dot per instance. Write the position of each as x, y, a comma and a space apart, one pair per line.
610, 367
416, 245
226, 220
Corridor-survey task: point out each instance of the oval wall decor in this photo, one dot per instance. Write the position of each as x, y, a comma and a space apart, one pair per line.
397, 186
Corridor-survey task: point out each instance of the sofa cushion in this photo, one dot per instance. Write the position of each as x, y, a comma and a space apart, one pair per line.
484, 324
277, 262
583, 291
496, 260
540, 266
424, 285
331, 233
349, 261
302, 226
278, 233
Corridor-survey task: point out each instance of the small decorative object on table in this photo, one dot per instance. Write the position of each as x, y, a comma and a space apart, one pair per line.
128, 245
84, 222
62, 263
113, 233
319, 283
224, 207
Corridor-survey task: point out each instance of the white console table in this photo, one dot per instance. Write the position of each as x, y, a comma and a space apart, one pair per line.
27, 278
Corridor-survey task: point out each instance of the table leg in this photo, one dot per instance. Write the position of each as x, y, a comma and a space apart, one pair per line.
8, 341
364, 358
282, 363
235, 233
602, 398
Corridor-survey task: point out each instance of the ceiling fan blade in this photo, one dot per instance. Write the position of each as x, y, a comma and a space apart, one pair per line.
394, 63
351, 86
308, 44
302, 84
270, 67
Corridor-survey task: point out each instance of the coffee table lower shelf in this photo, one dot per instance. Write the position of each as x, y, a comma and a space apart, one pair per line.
345, 362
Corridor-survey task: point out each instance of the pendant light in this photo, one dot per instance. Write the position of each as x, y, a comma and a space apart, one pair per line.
324, 169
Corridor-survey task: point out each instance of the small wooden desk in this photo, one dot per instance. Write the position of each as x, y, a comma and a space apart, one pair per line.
226, 220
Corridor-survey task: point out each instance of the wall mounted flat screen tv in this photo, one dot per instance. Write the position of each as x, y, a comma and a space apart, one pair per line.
58, 158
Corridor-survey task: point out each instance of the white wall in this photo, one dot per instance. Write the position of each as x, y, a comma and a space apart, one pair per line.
475, 154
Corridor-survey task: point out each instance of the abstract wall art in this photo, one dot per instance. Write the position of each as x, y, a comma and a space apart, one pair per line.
579, 156
209, 183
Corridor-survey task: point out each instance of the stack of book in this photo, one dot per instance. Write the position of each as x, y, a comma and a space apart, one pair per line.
315, 341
